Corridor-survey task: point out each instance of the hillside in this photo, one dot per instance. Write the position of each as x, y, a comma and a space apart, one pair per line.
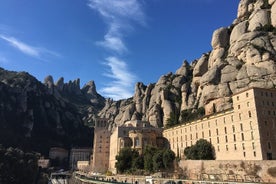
32, 118
242, 56
37, 116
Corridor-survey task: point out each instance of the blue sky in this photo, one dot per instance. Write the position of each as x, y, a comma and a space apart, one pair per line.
116, 43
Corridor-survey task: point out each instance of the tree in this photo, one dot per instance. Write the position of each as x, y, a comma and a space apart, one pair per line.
125, 159
138, 162
153, 159
172, 120
202, 150
168, 158
148, 155
158, 160
17, 167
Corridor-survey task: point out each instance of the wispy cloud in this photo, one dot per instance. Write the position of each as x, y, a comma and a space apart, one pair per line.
122, 81
28, 49
120, 16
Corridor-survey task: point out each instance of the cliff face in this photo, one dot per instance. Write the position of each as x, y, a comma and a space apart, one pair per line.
242, 56
35, 117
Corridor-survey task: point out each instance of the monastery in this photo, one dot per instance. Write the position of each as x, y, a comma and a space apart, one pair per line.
244, 132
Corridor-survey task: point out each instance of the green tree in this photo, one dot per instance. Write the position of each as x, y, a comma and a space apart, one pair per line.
148, 154
172, 120
138, 162
168, 158
125, 159
158, 160
202, 150
17, 167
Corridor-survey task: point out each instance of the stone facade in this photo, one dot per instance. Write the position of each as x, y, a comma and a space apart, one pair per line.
100, 159
79, 154
135, 134
253, 171
244, 132
58, 153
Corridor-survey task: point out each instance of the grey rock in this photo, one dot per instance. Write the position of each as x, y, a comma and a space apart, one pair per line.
220, 38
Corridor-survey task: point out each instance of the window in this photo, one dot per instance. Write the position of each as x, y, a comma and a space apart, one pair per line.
250, 125
226, 139
246, 94
239, 106
209, 133
242, 136
249, 114
234, 137
252, 135
225, 130
218, 148
217, 131
217, 139
269, 145
254, 153
241, 127
233, 128
253, 145
248, 104
238, 98
244, 154
235, 147
202, 134
240, 116
137, 141
226, 147
243, 146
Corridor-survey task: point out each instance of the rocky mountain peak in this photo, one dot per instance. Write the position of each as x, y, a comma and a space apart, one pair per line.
243, 55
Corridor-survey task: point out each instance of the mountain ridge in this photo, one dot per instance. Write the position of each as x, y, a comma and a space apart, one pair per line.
243, 55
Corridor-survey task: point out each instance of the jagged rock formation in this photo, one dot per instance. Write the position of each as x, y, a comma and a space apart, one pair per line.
32, 118
243, 55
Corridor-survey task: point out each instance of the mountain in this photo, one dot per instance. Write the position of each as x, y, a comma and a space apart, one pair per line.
38, 115
242, 56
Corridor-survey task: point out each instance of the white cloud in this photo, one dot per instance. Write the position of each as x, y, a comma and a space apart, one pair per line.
113, 43
28, 49
123, 79
119, 16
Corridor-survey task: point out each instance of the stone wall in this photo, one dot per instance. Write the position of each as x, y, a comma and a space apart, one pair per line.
264, 171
